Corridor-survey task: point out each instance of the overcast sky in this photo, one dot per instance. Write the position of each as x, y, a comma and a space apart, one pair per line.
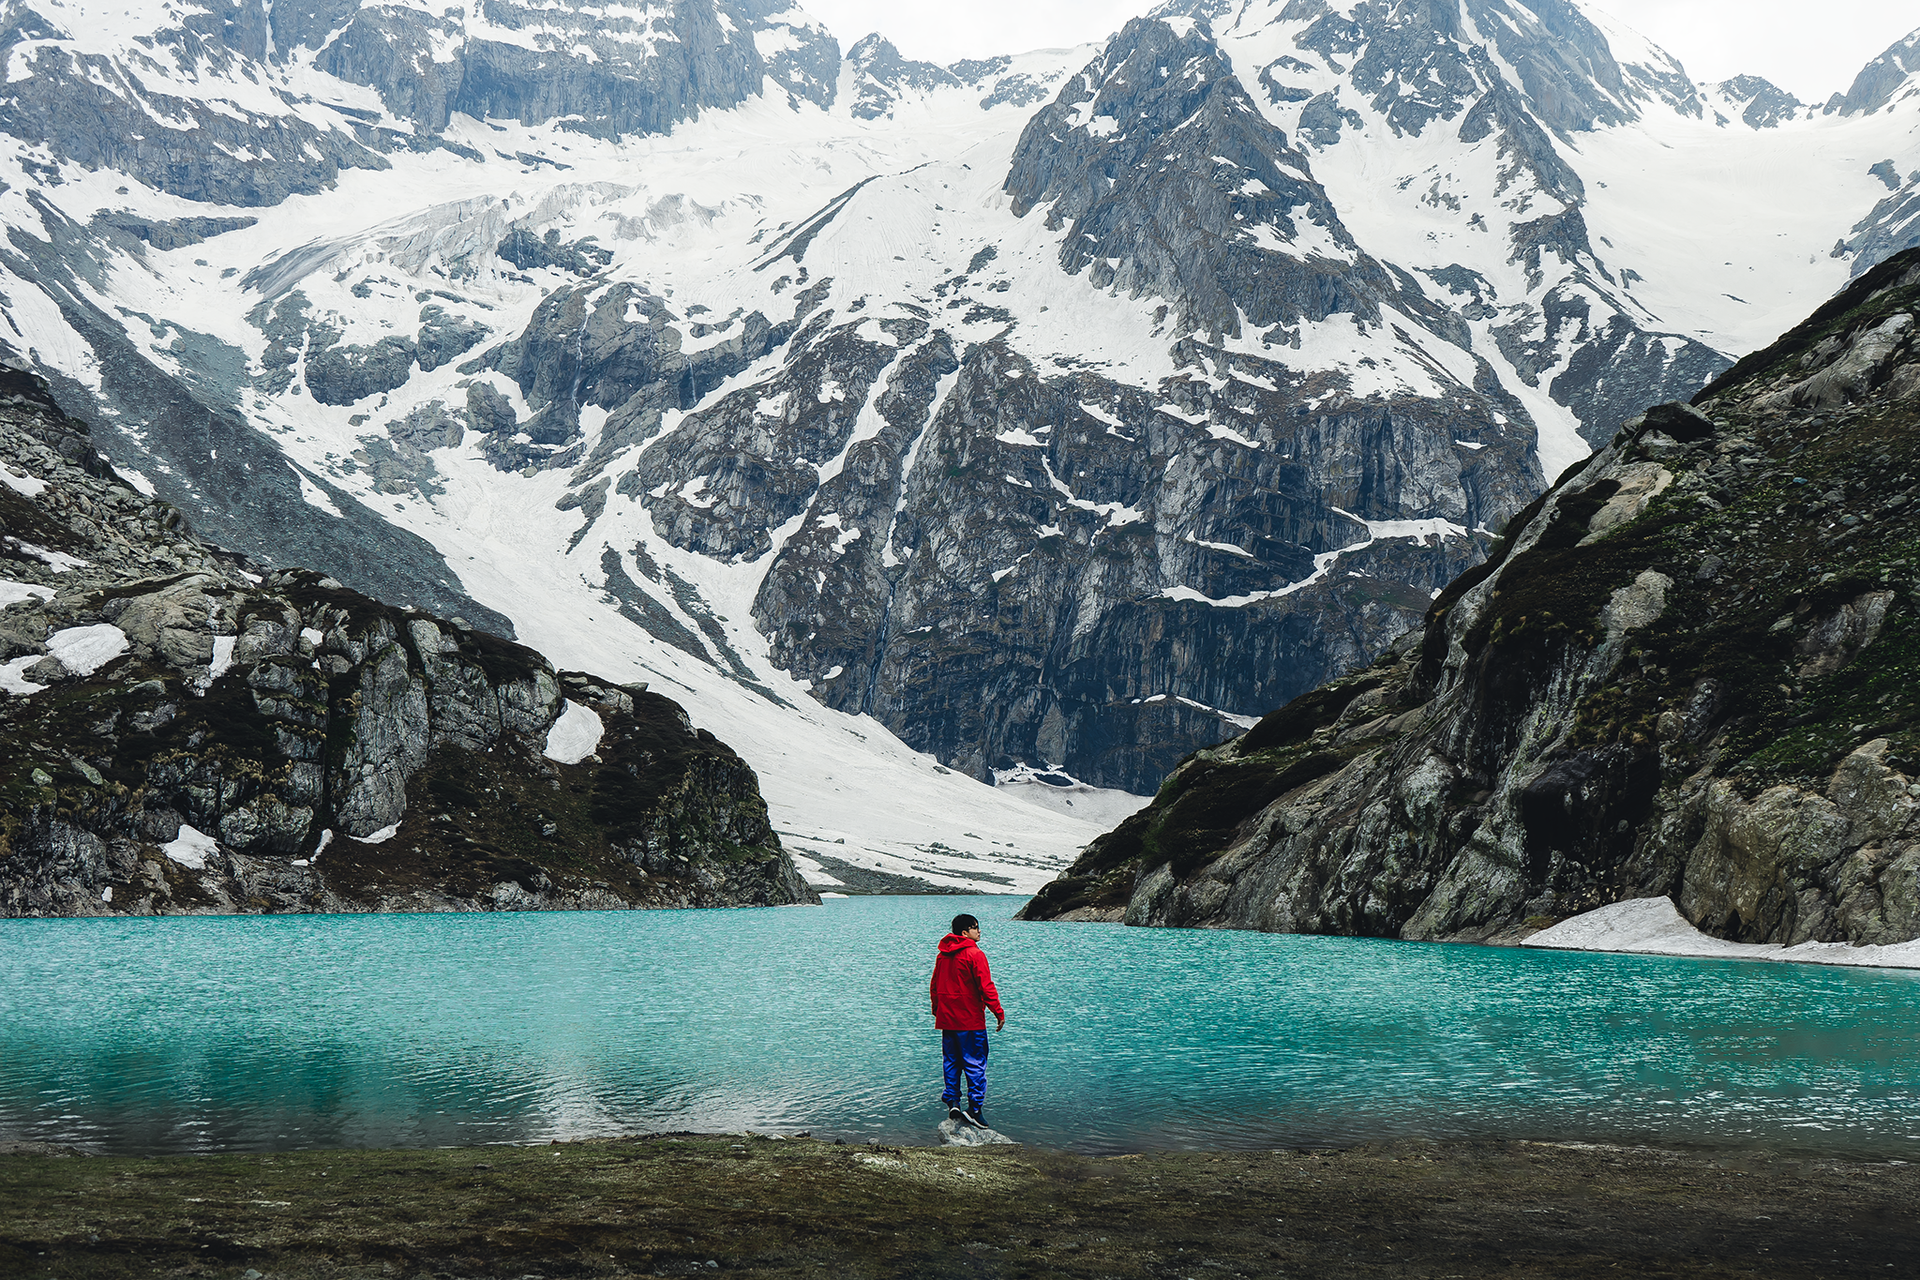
1811, 50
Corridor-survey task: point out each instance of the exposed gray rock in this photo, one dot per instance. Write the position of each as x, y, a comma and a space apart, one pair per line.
581, 349
332, 753
176, 233
1889, 227
1890, 74
805, 57
1763, 104
1186, 195
578, 63
880, 74
443, 339
338, 374
241, 489
1417, 60
527, 251
987, 574
95, 112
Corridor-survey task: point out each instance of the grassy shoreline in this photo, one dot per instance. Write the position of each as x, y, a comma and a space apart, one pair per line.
705, 1204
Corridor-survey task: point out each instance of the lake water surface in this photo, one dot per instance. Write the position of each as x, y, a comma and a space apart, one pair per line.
266, 1032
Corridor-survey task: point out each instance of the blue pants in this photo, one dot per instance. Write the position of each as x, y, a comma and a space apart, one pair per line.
965, 1050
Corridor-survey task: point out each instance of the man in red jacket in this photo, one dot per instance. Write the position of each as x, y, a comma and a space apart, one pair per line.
962, 991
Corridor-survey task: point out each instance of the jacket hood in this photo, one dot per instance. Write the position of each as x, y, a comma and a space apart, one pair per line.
954, 942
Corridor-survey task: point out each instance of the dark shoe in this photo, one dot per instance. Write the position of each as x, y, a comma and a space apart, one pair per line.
976, 1119
955, 1113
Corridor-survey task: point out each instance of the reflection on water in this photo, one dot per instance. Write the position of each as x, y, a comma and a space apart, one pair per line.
265, 1032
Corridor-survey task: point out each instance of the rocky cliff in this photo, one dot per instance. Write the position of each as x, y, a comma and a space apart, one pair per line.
180, 733
1690, 669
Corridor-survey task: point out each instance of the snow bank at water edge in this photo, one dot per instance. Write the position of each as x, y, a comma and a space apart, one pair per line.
1655, 927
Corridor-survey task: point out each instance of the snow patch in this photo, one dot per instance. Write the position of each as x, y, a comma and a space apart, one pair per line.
84, 650
15, 592
13, 679
191, 848
58, 561
24, 485
1228, 433
222, 657
575, 735
317, 497
1060, 792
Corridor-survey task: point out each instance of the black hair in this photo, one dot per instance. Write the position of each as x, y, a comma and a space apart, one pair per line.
962, 923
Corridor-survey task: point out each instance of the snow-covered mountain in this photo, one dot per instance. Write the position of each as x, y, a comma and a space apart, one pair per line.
1039, 417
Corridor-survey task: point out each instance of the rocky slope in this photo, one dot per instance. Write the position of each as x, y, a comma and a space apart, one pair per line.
181, 734
1690, 669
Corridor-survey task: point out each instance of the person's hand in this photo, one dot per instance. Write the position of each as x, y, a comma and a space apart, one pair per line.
1003, 1022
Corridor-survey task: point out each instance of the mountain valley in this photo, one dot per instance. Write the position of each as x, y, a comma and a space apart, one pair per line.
1033, 420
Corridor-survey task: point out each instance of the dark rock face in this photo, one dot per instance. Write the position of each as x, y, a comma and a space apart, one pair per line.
186, 735
799, 57
1691, 669
880, 74
881, 78
608, 73
582, 349
176, 233
604, 72
1004, 561
1615, 367
1007, 565
1522, 80
525, 251
342, 375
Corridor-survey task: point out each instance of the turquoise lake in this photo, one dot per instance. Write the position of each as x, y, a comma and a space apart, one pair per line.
265, 1032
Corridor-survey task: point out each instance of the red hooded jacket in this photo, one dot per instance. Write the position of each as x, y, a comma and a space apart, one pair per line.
962, 986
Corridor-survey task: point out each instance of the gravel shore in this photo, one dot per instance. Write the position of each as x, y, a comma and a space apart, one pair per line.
687, 1205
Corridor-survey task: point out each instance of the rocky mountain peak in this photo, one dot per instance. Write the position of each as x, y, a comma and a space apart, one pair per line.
881, 75
1756, 102
1175, 184
1892, 77
1417, 61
